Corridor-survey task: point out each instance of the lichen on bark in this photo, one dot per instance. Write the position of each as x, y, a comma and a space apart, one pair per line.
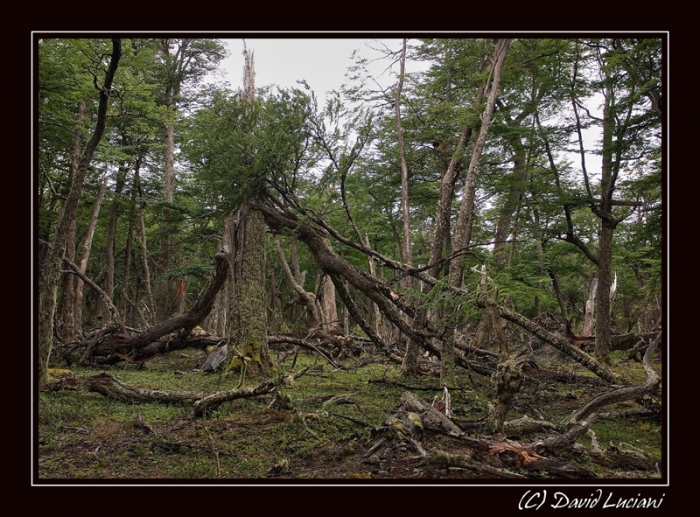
247, 329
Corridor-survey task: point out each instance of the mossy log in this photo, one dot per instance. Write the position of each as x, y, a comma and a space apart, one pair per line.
172, 334
491, 454
205, 404
647, 388
116, 389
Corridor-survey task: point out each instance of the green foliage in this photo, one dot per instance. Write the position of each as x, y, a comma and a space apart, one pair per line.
283, 143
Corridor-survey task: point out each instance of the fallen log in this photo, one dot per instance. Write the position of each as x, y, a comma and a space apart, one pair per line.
171, 334
445, 459
560, 344
205, 404
648, 387
113, 388
116, 389
499, 455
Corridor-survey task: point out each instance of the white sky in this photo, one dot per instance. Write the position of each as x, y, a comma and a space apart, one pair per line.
322, 63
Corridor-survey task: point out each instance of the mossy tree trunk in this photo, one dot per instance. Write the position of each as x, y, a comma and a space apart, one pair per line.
247, 325
51, 274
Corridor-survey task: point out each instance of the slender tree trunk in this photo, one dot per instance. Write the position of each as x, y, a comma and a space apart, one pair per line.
610, 167
440, 238
166, 239
112, 232
515, 194
67, 318
378, 319
406, 254
329, 309
465, 219
128, 250
144, 254
85, 255
68, 315
602, 327
47, 303
278, 325
308, 299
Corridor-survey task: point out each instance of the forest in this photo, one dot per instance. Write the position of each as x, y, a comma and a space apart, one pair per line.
456, 277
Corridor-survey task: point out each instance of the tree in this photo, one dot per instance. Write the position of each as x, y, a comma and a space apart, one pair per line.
184, 62
50, 273
626, 122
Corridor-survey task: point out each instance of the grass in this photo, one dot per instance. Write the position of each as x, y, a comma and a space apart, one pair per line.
86, 436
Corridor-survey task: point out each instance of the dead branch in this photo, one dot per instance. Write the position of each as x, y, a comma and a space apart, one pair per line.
616, 457
445, 459
173, 333
105, 298
489, 452
304, 344
564, 441
141, 422
622, 394
205, 404
116, 389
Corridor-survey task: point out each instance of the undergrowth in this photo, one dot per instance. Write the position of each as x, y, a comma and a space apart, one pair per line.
83, 435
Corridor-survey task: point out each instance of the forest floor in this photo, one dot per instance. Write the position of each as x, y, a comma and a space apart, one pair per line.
335, 419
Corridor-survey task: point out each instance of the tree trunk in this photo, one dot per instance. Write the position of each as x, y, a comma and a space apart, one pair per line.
67, 325
128, 250
247, 328
308, 299
144, 254
177, 306
503, 227
166, 239
462, 233
112, 231
47, 303
406, 254
465, 219
68, 314
588, 318
87, 245
330, 311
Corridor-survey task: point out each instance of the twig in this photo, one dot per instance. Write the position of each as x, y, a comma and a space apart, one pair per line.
210, 441
141, 422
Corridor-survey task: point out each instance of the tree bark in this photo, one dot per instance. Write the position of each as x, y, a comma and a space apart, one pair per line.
85, 255
465, 217
112, 231
47, 304
152, 337
247, 329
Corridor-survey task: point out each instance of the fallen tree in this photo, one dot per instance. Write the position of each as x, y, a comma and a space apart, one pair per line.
172, 334
489, 457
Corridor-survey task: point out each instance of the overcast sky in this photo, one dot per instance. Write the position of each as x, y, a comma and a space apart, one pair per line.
323, 63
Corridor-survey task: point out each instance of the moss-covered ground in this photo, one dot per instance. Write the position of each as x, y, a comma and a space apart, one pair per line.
332, 423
